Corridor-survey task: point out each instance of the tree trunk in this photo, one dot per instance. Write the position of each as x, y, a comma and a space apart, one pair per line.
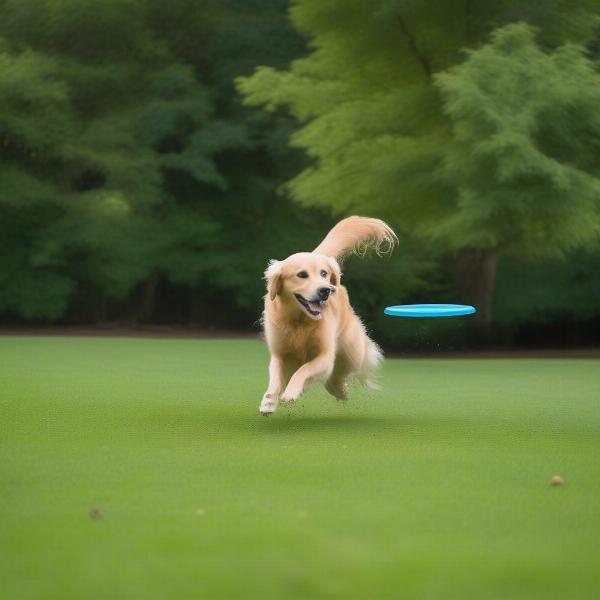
146, 312
198, 309
476, 274
100, 309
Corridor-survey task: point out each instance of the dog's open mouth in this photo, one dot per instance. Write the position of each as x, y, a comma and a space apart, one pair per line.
313, 307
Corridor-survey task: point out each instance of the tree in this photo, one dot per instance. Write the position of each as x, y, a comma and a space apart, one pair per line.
399, 123
524, 159
96, 115
127, 159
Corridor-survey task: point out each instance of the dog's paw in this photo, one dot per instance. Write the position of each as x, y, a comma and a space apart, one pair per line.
268, 404
339, 390
290, 396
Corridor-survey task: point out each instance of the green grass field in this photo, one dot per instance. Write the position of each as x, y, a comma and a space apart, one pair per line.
435, 487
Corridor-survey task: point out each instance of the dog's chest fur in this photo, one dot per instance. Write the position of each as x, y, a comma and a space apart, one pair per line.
298, 340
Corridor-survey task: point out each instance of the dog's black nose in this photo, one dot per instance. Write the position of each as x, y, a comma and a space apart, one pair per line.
324, 293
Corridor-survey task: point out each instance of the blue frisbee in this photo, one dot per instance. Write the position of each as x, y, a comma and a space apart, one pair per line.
429, 310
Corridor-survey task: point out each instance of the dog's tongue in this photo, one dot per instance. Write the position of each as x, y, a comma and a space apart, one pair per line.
316, 306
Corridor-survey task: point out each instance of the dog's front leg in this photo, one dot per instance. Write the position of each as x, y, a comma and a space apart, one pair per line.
319, 367
271, 398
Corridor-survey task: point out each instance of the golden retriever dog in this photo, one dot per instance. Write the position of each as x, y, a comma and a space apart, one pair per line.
312, 332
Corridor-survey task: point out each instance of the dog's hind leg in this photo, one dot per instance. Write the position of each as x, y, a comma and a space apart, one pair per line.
276, 383
337, 385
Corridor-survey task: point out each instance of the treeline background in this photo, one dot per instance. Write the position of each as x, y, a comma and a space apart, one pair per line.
143, 181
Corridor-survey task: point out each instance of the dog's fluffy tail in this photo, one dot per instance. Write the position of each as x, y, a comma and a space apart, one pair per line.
358, 234
371, 362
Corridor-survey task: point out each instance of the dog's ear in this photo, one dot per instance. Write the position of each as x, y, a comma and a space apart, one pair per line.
274, 278
336, 272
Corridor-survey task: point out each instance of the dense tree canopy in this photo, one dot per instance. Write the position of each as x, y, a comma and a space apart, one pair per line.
524, 158
121, 139
96, 114
483, 153
135, 185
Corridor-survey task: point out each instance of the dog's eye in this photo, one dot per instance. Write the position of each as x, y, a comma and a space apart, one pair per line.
323, 273
303, 275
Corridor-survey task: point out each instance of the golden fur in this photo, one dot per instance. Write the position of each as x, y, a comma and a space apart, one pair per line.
311, 339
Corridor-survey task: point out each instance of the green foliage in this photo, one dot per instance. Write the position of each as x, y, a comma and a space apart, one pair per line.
524, 161
544, 291
113, 132
388, 136
132, 174
492, 150
84, 143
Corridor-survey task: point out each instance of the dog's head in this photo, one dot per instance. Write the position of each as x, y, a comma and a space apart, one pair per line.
305, 281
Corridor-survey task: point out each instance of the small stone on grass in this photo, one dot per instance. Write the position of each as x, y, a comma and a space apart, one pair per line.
96, 514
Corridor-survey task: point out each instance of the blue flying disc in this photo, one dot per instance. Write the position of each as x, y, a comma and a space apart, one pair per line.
429, 310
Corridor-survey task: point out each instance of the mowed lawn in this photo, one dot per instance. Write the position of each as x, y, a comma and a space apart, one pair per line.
435, 487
